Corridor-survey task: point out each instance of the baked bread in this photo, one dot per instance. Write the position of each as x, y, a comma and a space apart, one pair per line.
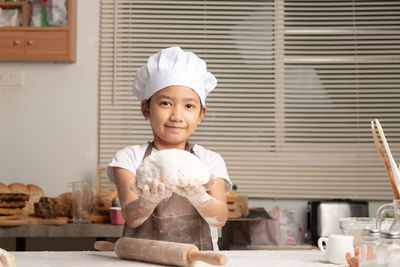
4, 188
18, 188
112, 194
99, 218
35, 194
8, 217
13, 204
14, 197
35, 190
10, 211
116, 202
51, 207
102, 204
66, 195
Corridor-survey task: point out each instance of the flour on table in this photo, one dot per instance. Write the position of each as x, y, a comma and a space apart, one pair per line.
172, 166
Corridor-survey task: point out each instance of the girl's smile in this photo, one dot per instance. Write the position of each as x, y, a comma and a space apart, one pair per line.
175, 128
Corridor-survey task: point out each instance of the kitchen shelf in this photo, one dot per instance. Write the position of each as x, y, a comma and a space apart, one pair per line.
25, 43
28, 28
25, 8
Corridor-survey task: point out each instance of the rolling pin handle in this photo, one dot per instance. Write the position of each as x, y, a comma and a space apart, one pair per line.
104, 245
211, 258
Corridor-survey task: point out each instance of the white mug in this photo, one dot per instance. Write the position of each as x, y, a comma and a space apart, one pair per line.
336, 247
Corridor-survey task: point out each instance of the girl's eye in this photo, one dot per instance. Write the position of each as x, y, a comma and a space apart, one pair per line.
189, 106
165, 103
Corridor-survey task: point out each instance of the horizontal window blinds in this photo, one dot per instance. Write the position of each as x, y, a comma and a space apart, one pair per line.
298, 83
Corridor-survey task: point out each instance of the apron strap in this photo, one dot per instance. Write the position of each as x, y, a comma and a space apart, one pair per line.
148, 149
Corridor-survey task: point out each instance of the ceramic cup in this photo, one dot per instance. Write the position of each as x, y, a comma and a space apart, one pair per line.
336, 247
116, 216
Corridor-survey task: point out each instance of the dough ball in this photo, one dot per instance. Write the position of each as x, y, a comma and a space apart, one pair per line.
6, 259
172, 167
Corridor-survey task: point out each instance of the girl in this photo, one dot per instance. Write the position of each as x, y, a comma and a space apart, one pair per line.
172, 87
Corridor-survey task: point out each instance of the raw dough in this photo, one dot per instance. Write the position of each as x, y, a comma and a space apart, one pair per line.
172, 166
6, 259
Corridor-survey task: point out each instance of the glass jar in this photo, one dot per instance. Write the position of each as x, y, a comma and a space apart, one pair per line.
395, 207
388, 250
367, 250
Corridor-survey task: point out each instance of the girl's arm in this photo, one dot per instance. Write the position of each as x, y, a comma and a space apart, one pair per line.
210, 204
136, 210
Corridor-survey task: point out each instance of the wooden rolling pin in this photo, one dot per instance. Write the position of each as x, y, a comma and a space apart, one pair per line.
168, 253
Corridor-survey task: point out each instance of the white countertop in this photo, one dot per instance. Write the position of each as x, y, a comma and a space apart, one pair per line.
236, 258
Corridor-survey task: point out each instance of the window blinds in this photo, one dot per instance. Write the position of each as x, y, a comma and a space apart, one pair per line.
298, 83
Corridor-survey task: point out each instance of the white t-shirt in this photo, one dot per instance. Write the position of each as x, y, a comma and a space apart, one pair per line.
131, 157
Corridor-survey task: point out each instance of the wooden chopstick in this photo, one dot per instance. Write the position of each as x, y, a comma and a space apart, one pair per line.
385, 161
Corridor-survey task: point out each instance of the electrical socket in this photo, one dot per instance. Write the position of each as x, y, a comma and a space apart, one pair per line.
11, 78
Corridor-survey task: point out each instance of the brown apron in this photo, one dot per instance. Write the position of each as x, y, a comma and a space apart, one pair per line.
174, 219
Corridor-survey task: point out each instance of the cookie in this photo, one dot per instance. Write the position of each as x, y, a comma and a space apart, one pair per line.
12, 204
5, 211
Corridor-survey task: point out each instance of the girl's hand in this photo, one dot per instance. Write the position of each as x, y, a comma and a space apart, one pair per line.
197, 194
188, 189
353, 261
211, 183
154, 192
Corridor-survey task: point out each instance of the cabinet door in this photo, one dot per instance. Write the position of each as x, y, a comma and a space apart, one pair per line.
46, 43
11, 43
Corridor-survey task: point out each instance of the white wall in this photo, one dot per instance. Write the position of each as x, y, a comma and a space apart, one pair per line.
48, 127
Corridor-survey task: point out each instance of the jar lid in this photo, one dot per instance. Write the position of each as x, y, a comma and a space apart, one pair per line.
371, 232
393, 235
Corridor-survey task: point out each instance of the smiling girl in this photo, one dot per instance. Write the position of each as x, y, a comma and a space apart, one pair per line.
172, 87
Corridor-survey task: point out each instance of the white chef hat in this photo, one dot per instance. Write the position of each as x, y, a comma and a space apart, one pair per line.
173, 66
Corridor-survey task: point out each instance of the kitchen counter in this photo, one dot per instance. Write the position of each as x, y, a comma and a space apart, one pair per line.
248, 258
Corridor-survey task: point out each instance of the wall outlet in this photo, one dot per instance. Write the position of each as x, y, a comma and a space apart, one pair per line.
11, 78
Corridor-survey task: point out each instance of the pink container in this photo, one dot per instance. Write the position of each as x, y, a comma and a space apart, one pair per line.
116, 216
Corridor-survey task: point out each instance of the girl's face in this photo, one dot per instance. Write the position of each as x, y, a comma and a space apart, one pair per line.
174, 114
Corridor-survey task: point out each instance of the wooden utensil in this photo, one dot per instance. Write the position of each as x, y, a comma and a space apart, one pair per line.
163, 252
395, 186
27, 220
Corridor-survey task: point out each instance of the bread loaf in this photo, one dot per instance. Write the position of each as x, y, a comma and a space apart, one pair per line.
4, 188
99, 218
35, 194
102, 204
112, 194
66, 194
18, 188
50, 207
116, 202
35, 190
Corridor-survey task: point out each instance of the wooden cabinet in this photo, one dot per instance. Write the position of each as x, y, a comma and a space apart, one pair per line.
51, 43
